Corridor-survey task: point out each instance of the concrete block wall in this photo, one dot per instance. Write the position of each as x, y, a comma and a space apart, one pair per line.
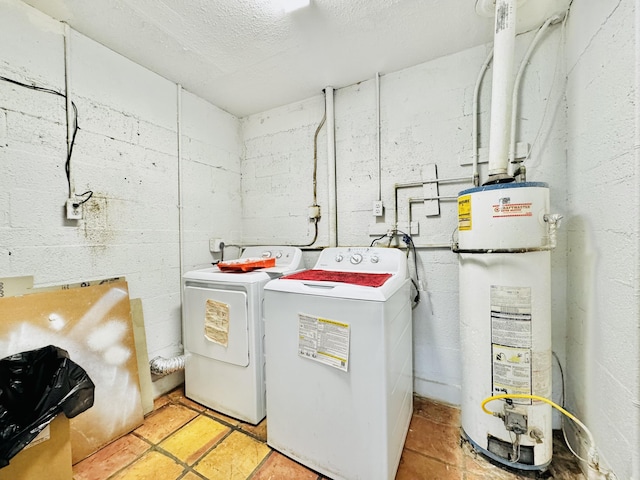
425, 118
277, 175
211, 195
603, 223
126, 153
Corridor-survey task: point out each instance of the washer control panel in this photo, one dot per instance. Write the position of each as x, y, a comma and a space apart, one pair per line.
362, 259
285, 256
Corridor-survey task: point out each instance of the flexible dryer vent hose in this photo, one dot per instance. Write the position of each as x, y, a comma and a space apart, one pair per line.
161, 366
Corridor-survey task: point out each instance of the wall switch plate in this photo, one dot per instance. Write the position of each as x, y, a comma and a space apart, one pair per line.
378, 208
74, 209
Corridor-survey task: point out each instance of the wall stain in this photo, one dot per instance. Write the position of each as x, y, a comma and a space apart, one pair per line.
96, 229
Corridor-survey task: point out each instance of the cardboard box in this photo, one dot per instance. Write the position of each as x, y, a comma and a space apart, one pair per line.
44, 458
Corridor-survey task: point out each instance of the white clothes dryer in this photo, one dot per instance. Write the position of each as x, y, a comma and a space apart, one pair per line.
339, 363
223, 333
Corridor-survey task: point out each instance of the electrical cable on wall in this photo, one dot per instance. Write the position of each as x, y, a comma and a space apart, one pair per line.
315, 207
67, 166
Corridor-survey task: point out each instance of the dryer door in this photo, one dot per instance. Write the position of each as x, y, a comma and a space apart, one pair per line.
216, 324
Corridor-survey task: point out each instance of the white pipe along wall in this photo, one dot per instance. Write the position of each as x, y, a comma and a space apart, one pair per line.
504, 46
331, 167
131, 111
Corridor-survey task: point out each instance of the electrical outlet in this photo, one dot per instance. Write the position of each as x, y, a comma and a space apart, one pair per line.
74, 209
216, 245
378, 208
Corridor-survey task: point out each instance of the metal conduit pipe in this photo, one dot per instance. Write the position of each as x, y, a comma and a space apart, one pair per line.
516, 85
69, 105
474, 133
331, 165
399, 186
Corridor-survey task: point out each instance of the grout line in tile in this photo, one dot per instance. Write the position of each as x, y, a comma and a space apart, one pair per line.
207, 452
264, 460
155, 448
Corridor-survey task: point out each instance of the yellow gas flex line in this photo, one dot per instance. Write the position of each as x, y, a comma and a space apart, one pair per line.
592, 463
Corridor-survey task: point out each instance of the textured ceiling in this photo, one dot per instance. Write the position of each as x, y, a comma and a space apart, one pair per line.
247, 56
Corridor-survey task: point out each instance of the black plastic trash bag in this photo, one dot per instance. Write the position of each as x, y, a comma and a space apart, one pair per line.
34, 387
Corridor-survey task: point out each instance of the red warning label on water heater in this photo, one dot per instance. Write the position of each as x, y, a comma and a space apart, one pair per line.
512, 210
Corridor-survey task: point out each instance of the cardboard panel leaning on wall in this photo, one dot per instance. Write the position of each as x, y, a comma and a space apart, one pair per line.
93, 325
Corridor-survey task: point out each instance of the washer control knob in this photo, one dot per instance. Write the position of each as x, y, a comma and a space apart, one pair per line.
278, 254
339, 258
375, 259
266, 254
356, 258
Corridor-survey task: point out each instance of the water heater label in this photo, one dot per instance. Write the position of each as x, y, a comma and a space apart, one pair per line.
511, 210
323, 340
464, 212
511, 370
511, 339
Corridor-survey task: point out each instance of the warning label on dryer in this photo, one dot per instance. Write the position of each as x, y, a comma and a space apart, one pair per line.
323, 340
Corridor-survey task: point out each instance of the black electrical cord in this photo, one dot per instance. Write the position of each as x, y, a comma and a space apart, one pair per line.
406, 238
376, 239
67, 165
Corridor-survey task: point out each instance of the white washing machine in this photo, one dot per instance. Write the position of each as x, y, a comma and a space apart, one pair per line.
339, 363
223, 333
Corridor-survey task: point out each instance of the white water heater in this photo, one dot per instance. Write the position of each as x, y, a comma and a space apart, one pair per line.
505, 320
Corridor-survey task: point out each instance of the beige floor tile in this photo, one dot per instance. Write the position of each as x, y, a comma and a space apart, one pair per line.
163, 422
110, 459
177, 396
259, 431
153, 466
191, 476
161, 402
233, 459
222, 417
194, 439
436, 411
434, 440
414, 466
280, 467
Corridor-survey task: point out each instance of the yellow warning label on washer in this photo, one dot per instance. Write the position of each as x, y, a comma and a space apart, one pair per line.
464, 212
323, 340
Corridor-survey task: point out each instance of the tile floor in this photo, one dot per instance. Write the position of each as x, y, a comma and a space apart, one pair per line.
182, 440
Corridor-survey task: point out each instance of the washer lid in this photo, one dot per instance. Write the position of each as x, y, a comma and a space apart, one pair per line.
353, 278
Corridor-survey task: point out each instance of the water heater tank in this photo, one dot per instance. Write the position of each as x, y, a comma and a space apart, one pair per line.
505, 324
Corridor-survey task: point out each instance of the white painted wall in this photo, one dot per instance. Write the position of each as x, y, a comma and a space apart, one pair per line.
425, 118
603, 221
126, 152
